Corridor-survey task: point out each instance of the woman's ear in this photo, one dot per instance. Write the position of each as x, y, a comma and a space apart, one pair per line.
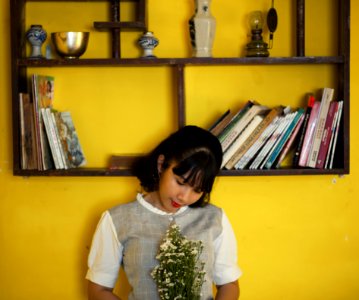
160, 161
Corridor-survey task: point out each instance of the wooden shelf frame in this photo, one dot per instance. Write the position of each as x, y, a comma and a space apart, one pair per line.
342, 61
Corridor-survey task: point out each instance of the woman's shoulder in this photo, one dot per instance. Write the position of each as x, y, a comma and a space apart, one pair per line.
123, 207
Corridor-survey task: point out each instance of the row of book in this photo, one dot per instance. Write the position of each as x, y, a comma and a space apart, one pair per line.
259, 137
48, 137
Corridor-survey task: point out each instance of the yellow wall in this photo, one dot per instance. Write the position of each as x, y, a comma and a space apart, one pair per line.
297, 235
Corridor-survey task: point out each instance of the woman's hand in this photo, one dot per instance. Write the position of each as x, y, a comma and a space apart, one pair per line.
228, 291
99, 292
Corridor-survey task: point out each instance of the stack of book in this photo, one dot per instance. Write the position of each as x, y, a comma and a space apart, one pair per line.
259, 137
48, 137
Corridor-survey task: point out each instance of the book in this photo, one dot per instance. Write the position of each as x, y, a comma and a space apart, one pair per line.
276, 150
301, 134
327, 97
329, 165
252, 151
27, 132
219, 120
69, 139
289, 143
304, 153
44, 86
253, 137
237, 129
237, 116
282, 123
42, 92
240, 140
218, 129
51, 138
64, 158
324, 146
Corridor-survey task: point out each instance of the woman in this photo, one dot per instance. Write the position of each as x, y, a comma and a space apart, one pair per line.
177, 179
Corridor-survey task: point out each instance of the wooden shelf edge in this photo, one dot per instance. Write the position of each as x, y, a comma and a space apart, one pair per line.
93, 172
220, 61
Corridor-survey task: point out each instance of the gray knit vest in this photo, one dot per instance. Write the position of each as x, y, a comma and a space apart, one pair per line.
141, 231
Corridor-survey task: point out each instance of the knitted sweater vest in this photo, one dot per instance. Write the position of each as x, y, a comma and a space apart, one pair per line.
141, 231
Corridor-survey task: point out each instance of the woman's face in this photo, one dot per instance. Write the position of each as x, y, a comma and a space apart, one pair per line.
174, 192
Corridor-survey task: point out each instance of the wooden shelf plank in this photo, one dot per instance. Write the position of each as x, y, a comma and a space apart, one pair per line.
220, 61
91, 172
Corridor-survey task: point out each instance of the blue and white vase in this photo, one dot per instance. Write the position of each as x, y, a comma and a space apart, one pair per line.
36, 36
202, 28
148, 42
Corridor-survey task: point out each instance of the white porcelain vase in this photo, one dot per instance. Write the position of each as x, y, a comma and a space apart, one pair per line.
202, 28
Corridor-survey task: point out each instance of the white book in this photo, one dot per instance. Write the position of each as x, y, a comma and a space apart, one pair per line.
327, 97
241, 139
60, 150
50, 138
241, 125
333, 128
244, 160
340, 110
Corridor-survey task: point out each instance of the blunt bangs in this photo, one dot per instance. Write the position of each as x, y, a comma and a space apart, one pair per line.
198, 171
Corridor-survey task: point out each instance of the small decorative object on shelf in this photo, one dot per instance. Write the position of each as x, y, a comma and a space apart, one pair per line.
202, 28
148, 42
36, 36
70, 44
256, 47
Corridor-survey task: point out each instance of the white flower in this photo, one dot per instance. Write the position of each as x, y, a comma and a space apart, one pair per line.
179, 262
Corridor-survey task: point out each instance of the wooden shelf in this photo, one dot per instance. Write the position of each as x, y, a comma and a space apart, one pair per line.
20, 64
92, 172
220, 61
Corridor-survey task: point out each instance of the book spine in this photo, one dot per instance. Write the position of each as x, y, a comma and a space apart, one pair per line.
323, 150
50, 137
37, 122
61, 148
55, 138
311, 101
291, 140
22, 132
240, 126
222, 136
240, 140
336, 135
252, 138
276, 138
284, 138
319, 129
219, 120
270, 142
304, 153
250, 154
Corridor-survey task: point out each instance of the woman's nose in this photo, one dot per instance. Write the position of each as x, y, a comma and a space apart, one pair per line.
185, 194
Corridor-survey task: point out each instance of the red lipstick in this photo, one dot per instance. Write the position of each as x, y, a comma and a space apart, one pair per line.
175, 204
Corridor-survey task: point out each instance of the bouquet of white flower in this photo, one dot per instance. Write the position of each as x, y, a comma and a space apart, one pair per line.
180, 273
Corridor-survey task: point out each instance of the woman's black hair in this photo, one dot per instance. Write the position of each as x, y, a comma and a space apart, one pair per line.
196, 152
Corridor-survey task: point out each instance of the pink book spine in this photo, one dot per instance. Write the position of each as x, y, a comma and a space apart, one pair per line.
309, 134
326, 135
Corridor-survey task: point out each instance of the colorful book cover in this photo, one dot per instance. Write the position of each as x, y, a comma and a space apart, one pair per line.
301, 134
327, 97
303, 158
284, 138
324, 146
69, 139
